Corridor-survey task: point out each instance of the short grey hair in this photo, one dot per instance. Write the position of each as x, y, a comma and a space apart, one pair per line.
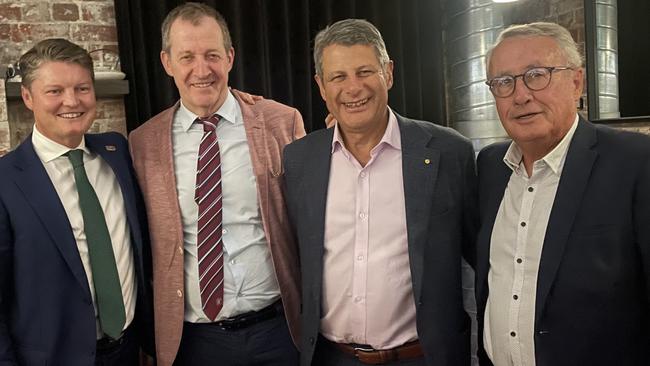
52, 50
349, 32
193, 13
561, 35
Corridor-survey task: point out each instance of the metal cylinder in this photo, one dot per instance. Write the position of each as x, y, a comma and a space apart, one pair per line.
607, 58
473, 25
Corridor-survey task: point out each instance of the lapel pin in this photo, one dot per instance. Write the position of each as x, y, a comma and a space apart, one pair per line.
427, 161
110, 148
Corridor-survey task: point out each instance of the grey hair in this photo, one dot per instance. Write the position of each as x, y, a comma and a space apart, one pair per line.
561, 35
349, 32
52, 50
193, 13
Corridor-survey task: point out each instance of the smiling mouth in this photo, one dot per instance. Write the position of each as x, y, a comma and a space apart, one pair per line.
71, 115
526, 116
202, 85
356, 104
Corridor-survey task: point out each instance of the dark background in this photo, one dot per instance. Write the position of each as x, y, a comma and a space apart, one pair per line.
634, 57
273, 41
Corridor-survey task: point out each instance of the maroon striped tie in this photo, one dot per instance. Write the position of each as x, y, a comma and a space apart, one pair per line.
208, 198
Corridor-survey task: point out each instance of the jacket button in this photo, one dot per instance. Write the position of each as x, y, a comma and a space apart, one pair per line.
311, 341
179, 293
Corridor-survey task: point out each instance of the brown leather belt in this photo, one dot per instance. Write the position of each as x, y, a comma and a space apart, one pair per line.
372, 356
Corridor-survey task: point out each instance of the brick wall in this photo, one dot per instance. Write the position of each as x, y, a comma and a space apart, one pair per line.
89, 23
4, 123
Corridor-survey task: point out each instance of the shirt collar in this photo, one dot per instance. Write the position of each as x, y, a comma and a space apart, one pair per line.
227, 112
48, 150
391, 136
554, 159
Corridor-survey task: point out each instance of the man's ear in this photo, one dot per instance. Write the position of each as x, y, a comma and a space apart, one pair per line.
165, 59
321, 87
388, 73
26, 94
578, 83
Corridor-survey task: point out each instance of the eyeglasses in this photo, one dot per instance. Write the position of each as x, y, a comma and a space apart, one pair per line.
535, 79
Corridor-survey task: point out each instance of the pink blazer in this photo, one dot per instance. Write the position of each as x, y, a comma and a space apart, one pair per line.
269, 127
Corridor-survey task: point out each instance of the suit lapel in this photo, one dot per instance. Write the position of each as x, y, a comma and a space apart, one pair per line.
420, 164
314, 190
32, 179
108, 152
493, 179
256, 137
575, 176
163, 155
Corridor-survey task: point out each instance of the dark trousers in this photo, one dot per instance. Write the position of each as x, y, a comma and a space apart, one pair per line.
267, 343
327, 354
124, 353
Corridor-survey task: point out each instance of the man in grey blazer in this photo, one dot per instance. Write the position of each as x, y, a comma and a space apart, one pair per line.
383, 209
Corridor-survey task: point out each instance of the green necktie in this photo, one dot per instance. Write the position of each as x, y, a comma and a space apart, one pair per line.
108, 293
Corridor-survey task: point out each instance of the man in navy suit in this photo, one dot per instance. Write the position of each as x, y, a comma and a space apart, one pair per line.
383, 208
563, 269
74, 262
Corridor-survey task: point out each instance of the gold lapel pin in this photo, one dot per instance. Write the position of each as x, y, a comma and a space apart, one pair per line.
427, 161
110, 148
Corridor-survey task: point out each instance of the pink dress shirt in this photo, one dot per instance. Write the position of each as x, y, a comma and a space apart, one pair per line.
367, 288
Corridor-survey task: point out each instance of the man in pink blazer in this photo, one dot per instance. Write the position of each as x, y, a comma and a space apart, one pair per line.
226, 304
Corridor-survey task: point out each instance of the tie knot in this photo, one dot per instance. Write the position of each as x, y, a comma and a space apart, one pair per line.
210, 123
76, 157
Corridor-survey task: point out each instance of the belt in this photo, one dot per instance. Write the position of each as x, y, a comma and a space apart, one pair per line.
371, 356
108, 344
245, 320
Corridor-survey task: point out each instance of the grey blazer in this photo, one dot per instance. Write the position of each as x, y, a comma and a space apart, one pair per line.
441, 226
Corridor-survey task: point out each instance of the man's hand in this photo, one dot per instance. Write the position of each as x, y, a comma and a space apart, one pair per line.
247, 98
330, 120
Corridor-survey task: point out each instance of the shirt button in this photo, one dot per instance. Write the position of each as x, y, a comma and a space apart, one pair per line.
515, 297
530, 189
363, 174
232, 261
357, 299
523, 224
179, 293
360, 257
513, 334
519, 260
224, 231
362, 215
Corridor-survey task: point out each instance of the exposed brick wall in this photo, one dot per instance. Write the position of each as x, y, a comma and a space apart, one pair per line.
89, 23
4, 123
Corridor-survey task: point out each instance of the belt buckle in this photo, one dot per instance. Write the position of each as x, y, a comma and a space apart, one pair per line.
379, 357
363, 349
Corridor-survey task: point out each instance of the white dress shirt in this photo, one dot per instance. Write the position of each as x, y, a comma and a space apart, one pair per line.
103, 180
515, 251
367, 287
249, 278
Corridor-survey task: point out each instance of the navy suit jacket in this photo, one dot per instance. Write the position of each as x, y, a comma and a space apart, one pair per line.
593, 287
440, 220
46, 310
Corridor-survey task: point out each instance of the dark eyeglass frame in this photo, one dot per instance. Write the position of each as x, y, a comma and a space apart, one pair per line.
514, 78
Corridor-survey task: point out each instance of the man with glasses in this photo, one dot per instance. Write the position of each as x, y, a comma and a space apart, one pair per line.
563, 270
